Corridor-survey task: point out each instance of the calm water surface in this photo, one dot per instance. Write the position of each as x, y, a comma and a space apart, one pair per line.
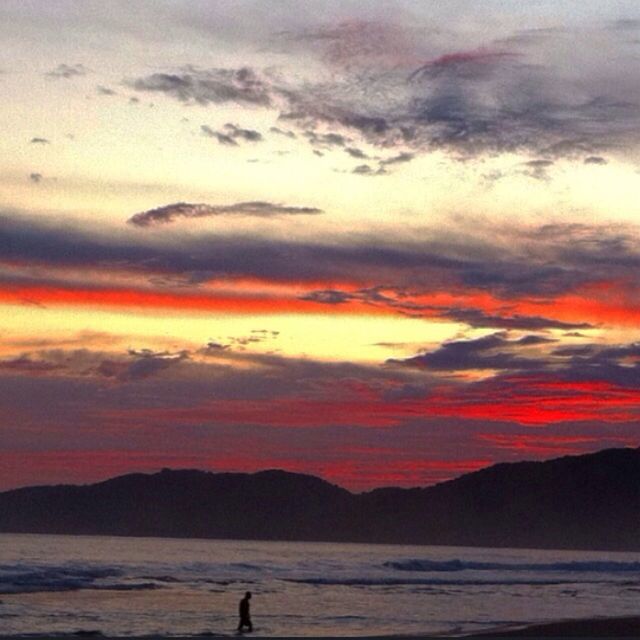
139, 586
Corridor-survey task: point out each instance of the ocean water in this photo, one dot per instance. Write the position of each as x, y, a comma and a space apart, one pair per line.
140, 586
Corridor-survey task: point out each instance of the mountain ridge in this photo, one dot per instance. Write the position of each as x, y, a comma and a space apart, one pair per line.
589, 501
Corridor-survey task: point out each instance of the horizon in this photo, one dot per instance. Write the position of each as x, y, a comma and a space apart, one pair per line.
317, 477
380, 242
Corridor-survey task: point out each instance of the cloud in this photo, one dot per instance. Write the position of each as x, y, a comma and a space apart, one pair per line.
401, 158
222, 138
282, 132
257, 209
39, 141
68, 71
231, 134
105, 91
25, 364
468, 65
516, 276
211, 86
538, 169
494, 351
598, 160
356, 153
36, 177
479, 318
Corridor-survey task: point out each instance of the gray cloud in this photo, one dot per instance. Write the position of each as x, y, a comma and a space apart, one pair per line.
231, 134
257, 209
478, 318
36, 177
68, 71
595, 160
105, 91
544, 261
523, 93
39, 141
211, 86
494, 351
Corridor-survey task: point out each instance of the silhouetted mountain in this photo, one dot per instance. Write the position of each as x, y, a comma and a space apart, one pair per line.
579, 502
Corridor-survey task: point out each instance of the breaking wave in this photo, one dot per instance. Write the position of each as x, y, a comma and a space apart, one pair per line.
21, 578
437, 566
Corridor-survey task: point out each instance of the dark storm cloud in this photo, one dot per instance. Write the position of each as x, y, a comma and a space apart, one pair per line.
257, 209
68, 71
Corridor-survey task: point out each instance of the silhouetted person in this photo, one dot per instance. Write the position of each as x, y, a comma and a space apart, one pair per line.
245, 614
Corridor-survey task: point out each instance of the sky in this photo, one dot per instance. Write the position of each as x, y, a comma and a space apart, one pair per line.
385, 242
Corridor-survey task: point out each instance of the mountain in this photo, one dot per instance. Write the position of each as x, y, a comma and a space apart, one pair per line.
576, 502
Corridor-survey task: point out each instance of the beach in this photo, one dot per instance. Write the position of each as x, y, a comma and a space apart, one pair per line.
83, 586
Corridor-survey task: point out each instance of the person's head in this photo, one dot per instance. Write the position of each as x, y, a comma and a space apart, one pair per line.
247, 595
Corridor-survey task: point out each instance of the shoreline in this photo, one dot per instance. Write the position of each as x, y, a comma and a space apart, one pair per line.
614, 627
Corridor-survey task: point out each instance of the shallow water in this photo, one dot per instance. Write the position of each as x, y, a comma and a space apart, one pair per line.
139, 586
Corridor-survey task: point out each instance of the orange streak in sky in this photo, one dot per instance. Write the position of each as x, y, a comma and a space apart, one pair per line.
180, 302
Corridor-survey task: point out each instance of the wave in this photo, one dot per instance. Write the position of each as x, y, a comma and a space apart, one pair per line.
398, 582
22, 578
437, 566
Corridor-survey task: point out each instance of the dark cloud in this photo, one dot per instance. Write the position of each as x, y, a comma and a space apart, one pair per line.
257, 209
249, 135
626, 24
210, 86
231, 134
595, 160
546, 261
105, 91
524, 94
398, 159
68, 71
326, 139
356, 153
39, 141
466, 65
36, 177
538, 169
494, 351
479, 318
222, 138
329, 296
282, 132
367, 170
25, 364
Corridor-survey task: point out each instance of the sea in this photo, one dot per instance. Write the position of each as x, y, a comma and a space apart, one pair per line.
117, 586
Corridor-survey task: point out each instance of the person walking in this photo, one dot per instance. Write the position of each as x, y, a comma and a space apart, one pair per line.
245, 613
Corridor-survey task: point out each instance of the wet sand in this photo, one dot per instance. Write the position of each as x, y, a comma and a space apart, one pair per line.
627, 627
587, 628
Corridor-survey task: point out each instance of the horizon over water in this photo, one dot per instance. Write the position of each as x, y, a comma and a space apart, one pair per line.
140, 586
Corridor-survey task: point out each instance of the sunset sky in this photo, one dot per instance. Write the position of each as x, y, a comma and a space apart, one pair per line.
385, 242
